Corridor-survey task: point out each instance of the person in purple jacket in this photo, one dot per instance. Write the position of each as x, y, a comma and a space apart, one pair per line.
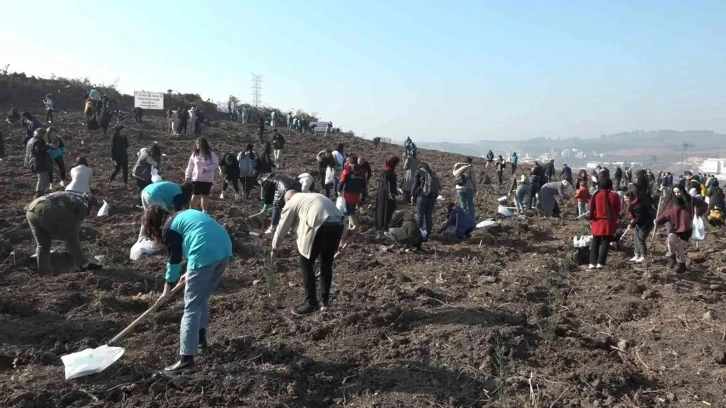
459, 221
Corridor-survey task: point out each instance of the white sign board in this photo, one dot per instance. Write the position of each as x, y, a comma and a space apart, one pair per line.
319, 126
222, 107
149, 100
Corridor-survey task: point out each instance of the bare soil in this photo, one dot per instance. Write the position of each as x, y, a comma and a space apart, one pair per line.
502, 320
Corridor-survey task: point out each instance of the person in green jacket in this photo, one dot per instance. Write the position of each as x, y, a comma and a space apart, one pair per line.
404, 230
513, 159
59, 216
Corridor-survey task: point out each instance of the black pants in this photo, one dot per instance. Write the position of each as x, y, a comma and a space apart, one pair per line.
514, 169
533, 190
142, 185
599, 248
247, 185
138, 118
234, 184
104, 126
123, 166
325, 245
499, 177
49, 115
261, 135
61, 167
182, 127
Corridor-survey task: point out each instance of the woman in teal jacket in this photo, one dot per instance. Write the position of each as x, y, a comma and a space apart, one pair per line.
206, 246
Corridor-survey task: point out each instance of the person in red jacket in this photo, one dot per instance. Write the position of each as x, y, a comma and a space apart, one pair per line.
353, 187
679, 213
604, 211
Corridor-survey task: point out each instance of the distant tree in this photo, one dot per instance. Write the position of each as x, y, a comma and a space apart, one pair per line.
234, 101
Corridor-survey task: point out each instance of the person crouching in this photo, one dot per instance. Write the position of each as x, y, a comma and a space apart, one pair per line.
679, 213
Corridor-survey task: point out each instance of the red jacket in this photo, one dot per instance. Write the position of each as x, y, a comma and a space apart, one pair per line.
582, 195
604, 212
681, 219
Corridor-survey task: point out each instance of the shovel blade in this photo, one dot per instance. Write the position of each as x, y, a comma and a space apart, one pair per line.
90, 361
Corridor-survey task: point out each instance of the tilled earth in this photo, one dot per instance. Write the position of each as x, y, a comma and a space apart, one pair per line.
502, 319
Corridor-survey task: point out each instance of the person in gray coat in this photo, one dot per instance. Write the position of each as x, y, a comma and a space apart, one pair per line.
410, 166
547, 203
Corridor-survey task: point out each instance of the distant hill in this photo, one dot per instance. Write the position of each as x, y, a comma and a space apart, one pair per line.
637, 143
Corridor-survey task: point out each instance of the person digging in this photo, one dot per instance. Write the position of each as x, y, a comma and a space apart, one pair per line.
207, 247
319, 232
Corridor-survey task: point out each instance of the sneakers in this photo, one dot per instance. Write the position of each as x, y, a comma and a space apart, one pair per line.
237, 197
221, 196
640, 260
634, 259
62, 183
681, 268
591, 266
184, 365
91, 267
324, 306
270, 230
304, 309
600, 266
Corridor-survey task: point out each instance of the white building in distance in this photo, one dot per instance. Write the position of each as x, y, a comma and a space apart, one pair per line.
713, 166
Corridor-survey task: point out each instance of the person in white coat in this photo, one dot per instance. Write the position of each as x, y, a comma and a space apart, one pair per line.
174, 123
192, 120
81, 177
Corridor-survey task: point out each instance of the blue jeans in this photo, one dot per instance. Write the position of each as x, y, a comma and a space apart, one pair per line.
424, 212
276, 214
466, 201
200, 284
581, 208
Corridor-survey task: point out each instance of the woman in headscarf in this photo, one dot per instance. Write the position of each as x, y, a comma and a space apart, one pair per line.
386, 196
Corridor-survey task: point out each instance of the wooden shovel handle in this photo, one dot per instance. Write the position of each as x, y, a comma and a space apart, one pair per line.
141, 318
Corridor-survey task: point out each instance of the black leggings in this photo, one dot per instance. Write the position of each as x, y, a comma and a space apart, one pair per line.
182, 126
121, 165
234, 184
325, 245
61, 167
599, 248
49, 115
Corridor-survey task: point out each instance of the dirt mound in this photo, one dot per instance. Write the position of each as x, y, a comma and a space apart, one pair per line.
502, 319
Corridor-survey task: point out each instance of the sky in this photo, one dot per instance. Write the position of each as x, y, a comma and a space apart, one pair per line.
431, 70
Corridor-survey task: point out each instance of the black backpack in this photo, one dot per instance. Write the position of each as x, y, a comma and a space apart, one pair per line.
431, 185
461, 179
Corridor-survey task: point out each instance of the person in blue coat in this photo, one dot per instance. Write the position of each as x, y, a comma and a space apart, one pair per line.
165, 194
459, 221
207, 247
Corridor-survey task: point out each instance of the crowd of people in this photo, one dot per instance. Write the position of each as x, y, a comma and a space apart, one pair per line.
323, 204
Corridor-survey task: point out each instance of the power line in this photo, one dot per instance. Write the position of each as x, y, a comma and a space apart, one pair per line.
256, 90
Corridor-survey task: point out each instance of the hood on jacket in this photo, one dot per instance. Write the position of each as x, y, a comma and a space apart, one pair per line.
397, 218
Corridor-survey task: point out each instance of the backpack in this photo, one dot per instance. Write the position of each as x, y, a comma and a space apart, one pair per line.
431, 185
246, 165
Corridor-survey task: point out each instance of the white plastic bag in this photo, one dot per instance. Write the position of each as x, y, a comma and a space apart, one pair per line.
104, 210
155, 177
329, 176
342, 206
699, 229
504, 211
486, 224
90, 361
143, 247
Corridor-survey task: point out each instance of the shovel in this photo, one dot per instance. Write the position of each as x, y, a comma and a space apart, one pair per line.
92, 361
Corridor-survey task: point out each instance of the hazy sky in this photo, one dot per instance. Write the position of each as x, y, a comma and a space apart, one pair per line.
432, 70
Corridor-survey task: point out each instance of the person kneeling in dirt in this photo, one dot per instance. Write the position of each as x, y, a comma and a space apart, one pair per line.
547, 204
679, 213
165, 194
404, 230
59, 216
138, 114
319, 231
458, 222
13, 116
274, 187
206, 246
